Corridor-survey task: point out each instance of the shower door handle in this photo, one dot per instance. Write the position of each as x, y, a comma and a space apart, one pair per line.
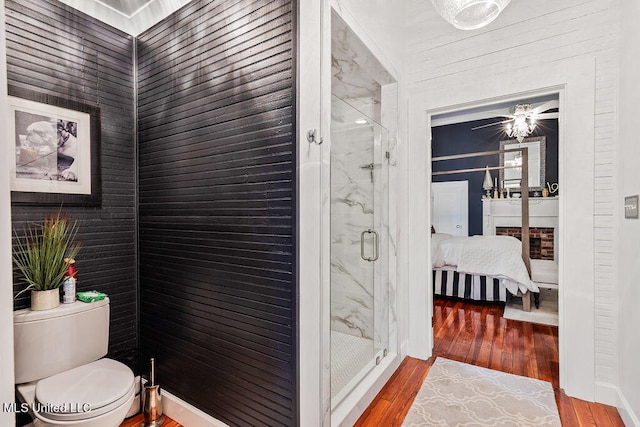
376, 242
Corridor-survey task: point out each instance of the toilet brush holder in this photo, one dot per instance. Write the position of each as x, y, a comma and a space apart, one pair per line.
152, 402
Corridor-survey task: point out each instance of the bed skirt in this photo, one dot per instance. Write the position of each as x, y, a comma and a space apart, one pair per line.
480, 288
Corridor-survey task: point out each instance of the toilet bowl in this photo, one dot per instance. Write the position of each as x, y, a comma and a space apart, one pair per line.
61, 378
98, 394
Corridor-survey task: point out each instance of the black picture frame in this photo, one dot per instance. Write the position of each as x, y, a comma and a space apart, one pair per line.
92, 193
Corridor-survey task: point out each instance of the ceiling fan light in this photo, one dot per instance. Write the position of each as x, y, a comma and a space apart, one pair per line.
469, 14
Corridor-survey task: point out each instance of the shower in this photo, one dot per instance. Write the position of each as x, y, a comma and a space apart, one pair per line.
359, 247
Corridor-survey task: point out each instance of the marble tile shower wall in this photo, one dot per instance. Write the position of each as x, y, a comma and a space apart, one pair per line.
352, 211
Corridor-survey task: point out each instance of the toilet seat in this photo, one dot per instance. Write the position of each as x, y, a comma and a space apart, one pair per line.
87, 391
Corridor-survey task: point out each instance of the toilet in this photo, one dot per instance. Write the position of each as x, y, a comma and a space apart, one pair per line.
61, 375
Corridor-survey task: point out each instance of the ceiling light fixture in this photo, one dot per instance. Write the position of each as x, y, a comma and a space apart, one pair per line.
469, 14
361, 121
524, 122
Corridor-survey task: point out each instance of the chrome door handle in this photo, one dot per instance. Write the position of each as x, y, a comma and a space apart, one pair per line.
376, 244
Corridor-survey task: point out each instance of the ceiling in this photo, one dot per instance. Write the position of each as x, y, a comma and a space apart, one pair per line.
126, 7
130, 16
489, 111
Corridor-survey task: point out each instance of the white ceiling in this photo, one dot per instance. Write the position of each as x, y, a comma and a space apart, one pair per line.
130, 16
126, 7
490, 111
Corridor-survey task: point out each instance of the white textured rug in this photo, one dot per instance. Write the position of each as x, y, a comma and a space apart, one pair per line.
458, 394
547, 314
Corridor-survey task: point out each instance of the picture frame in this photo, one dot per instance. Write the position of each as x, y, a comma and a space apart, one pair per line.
511, 178
57, 150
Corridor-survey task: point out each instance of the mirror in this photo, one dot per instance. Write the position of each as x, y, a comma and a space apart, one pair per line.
511, 178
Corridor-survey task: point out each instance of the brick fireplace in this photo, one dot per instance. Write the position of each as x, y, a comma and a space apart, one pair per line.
503, 217
540, 240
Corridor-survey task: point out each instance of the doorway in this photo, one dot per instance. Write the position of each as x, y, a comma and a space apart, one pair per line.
481, 129
574, 80
450, 207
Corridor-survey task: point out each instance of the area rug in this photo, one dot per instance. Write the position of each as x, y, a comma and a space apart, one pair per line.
458, 394
547, 314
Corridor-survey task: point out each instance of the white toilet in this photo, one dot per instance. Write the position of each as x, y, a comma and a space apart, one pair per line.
60, 374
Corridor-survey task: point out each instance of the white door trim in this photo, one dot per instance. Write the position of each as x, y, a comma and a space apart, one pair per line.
461, 189
574, 80
7, 387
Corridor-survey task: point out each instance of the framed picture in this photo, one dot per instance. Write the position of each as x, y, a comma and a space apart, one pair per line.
57, 150
511, 178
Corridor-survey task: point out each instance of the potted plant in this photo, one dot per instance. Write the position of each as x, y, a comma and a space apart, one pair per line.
43, 258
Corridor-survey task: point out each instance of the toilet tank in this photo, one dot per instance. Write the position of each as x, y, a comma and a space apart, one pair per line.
51, 341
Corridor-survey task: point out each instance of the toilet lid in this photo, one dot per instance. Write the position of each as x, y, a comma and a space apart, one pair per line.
84, 392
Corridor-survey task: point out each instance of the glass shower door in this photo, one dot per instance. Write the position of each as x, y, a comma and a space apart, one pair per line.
359, 247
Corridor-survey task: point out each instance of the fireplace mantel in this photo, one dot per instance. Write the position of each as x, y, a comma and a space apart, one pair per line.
543, 212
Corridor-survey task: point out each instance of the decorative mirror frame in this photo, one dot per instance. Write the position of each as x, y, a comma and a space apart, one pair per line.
537, 163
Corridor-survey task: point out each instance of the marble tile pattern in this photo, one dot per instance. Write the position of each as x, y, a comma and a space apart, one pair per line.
359, 177
352, 209
356, 75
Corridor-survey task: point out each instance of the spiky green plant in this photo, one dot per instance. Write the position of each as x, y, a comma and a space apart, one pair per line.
41, 255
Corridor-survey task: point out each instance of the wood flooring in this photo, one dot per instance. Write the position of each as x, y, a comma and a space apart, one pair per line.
138, 419
476, 333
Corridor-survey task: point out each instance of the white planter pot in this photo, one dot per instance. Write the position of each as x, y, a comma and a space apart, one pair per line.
45, 300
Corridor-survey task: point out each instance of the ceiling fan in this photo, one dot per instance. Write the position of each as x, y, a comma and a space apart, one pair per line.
522, 118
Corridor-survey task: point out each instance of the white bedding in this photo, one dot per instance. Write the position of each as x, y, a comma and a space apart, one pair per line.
493, 256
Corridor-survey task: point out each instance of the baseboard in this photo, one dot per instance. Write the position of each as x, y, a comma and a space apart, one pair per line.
611, 395
404, 348
606, 393
187, 414
628, 416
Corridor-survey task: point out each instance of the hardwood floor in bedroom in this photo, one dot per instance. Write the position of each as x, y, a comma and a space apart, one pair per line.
476, 333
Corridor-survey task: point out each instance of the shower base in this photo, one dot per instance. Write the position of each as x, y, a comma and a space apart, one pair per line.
352, 358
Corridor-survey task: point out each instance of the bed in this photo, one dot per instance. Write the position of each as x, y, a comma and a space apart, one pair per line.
502, 258
480, 268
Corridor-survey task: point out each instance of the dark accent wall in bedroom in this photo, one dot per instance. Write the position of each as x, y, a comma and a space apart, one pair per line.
459, 138
217, 208
56, 50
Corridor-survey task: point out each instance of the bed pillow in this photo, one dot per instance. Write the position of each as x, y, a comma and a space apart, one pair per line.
437, 258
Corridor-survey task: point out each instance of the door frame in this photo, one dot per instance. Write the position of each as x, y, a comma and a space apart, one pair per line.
455, 186
574, 80
7, 386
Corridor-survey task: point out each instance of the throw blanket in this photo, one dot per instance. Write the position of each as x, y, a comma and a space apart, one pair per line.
492, 256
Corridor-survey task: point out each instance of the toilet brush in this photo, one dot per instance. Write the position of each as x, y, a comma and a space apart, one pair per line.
152, 401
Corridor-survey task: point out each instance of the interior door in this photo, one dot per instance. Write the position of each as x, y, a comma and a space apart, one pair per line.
450, 207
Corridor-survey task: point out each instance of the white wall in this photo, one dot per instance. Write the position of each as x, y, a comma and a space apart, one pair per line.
542, 36
6, 300
311, 305
629, 244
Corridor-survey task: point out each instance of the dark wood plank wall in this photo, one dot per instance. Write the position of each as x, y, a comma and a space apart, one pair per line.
216, 205
56, 50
